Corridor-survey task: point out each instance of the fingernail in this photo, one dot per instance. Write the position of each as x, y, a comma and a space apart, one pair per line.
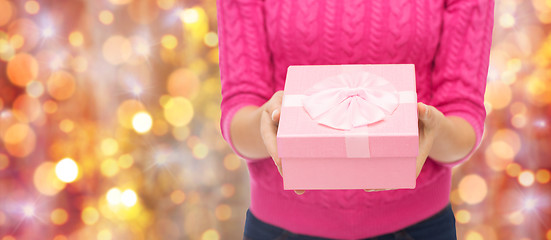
274, 113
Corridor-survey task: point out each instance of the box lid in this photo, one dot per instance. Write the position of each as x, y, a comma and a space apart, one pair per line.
299, 136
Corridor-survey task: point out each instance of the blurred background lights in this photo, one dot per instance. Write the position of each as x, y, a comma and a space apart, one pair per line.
516, 218
189, 15
104, 234
462, 216
506, 20
530, 203
35, 89
48, 32
142, 122
210, 234
129, 198
526, 178
66, 170
109, 146
22, 69
125, 161
473, 235
472, 189
28, 210
59, 216
76, 39
45, 179
223, 212
109, 167
89, 215
32, 7
114, 196
211, 39
543, 176
106, 17
177, 196
61, 85
117, 50
178, 111
166, 4
169, 41
120, 2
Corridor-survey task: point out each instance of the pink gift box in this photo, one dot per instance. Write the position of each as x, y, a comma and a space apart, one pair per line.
349, 127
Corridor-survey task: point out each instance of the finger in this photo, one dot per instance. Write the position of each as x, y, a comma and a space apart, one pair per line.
422, 111
275, 115
270, 141
274, 106
299, 192
428, 115
379, 189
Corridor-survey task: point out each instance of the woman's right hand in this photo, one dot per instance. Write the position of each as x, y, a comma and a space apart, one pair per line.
269, 121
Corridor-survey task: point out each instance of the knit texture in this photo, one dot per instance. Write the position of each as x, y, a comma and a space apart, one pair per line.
447, 40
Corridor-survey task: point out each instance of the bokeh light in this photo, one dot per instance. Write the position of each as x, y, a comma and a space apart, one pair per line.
463, 216
472, 189
114, 196
4, 161
89, 215
109, 167
45, 179
22, 69
526, 178
6, 12
169, 41
184, 83
76, 39
128, 198
66, 170
59, 216
109, 146
106, 17
210, 234
117, 50
19, 140
61, 85
543, 176
32, 7
178, 111
142, 122
189, 16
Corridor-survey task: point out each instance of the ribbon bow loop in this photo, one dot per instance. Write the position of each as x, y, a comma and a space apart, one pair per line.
351, 100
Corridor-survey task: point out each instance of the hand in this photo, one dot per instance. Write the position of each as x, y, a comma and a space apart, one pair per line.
269, 121
430, 121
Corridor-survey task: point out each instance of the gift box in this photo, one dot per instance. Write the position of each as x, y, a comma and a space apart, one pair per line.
349, 127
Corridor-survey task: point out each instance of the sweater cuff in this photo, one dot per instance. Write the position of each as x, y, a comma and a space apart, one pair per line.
234, 105
478, 130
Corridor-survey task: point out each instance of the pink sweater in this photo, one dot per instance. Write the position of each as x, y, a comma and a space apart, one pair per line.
447, 40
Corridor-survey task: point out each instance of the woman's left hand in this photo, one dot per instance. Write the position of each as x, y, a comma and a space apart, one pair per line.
430, 121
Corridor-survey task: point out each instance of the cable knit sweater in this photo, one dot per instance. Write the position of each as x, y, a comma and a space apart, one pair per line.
447, 40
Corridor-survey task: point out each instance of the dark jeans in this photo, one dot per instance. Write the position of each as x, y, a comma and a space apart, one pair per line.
440, 226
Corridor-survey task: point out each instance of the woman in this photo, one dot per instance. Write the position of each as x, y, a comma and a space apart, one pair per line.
449, 43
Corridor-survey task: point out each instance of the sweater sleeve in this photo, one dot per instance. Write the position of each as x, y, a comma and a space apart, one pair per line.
461, 64
245, 60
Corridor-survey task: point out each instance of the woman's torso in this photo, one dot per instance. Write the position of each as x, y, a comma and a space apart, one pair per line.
308, 32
